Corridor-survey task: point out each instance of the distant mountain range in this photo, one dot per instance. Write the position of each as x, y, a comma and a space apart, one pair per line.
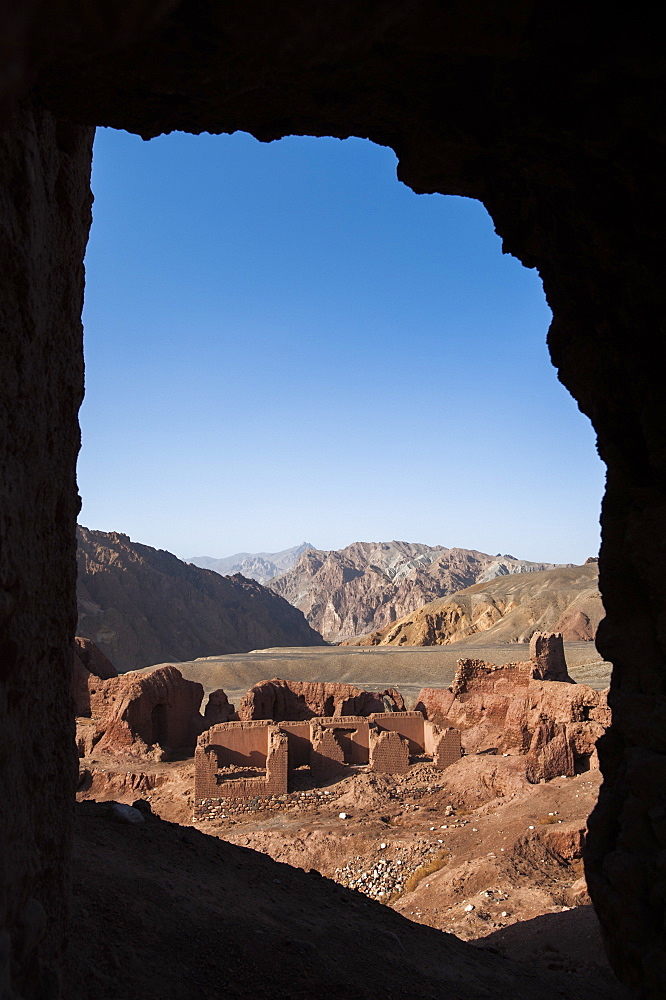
260, 566
143, 606
506, 609
369, 585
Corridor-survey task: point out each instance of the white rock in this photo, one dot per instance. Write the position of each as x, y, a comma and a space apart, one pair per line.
125, 814
469, 908
342, 815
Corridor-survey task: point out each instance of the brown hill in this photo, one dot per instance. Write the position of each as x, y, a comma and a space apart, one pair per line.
507, 609
142, 605
371, 584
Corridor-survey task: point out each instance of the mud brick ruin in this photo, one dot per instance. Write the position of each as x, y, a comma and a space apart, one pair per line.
247, 759
241, 759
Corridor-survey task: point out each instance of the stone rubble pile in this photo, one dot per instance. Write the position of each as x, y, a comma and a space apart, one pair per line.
385, 877
290, 801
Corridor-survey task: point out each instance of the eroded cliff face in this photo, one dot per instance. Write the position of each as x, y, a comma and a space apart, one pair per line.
282, 700
142, 606
549, 114
368, 585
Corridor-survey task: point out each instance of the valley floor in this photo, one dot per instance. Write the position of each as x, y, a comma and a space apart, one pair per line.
409, 668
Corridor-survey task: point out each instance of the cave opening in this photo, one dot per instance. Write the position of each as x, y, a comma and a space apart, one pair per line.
261, 401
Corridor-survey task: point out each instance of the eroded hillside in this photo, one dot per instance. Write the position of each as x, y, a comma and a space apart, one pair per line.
369, 585
142, 605
506, 609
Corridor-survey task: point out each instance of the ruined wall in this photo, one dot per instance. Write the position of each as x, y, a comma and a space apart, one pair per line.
547, 657
352, 733
284, 700
447, 748
552, 116
258, 745
500, 708
218, 709
477, 676
407, 724
298, 742
389, 752
327, 759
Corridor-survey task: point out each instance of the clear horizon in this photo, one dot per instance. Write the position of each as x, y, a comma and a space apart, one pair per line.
285, 342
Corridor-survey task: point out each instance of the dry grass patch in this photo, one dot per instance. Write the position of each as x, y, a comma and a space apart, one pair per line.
435, 864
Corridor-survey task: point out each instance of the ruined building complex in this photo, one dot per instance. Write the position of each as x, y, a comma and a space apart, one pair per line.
244, 759
530, 708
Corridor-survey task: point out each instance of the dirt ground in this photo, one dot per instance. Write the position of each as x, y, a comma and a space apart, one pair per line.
165, 912
473, 850
237, 907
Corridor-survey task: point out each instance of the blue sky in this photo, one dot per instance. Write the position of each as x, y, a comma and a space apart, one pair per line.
285, 343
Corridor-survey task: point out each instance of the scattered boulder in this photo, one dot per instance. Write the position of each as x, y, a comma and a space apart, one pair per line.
125, 814
566, 841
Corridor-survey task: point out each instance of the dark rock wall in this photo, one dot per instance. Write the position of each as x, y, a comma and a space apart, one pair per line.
45, 213
550, 114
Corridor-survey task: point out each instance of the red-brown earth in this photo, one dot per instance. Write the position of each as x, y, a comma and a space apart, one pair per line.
166, 912
474, 850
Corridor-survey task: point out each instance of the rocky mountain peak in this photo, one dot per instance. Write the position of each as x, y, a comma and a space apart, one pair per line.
369, 585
